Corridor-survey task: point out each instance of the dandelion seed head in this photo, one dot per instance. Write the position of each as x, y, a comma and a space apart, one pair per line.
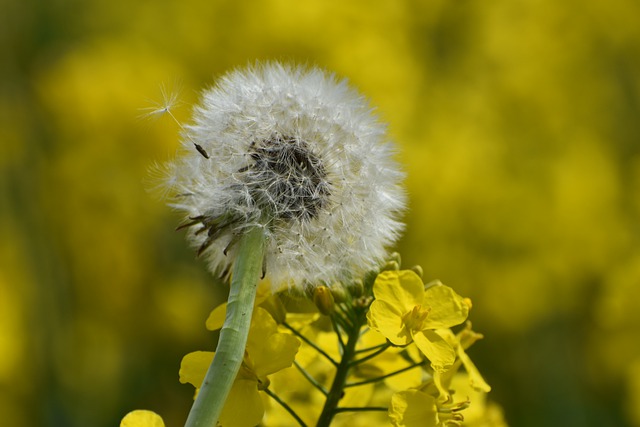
296, 151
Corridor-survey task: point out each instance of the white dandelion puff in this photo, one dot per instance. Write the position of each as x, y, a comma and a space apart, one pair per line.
300, 154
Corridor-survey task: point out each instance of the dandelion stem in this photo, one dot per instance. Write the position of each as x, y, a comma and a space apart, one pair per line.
233, 335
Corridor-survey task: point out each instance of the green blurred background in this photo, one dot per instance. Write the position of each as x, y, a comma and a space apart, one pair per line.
518, 122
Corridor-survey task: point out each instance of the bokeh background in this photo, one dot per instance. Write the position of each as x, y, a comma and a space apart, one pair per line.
518, 122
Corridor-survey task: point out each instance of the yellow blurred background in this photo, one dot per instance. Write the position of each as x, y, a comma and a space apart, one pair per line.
518, 122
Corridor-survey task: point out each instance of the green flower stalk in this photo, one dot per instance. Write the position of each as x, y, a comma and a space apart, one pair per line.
233, 336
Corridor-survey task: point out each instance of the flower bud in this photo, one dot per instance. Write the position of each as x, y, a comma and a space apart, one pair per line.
391, 266
323, 299
356, 289
418, 270
395, 256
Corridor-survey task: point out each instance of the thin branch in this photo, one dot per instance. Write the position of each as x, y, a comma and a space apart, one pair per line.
361, 409
310, 378
339, 323
368, 349
337, 329
374, 380
347, 316
286, 407
371, 356
308, 341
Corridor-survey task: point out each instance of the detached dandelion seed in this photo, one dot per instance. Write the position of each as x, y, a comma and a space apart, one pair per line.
298, 153
168, 102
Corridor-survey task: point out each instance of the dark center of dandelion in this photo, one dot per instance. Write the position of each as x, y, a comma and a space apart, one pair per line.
286, 180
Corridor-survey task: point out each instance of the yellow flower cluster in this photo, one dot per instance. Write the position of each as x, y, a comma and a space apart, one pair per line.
407, 312
375, 352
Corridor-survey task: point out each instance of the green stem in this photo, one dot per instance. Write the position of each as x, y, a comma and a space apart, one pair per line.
310, 378
375, 347
310, 343
286, 407
233, 335
372, 355
337, 388
363, 409
337, 329
382, 377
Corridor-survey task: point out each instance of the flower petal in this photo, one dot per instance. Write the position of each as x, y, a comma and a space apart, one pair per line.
402, 289
447, 307
475, 378
278, 352
142, 418
387, 319
216, 317
413, 408
436, 349
262, 327
193, 367
269, 350
244, 407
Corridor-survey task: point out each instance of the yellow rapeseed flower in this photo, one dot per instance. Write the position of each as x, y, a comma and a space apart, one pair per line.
417, 408
405, 312
413, 408
142, 418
